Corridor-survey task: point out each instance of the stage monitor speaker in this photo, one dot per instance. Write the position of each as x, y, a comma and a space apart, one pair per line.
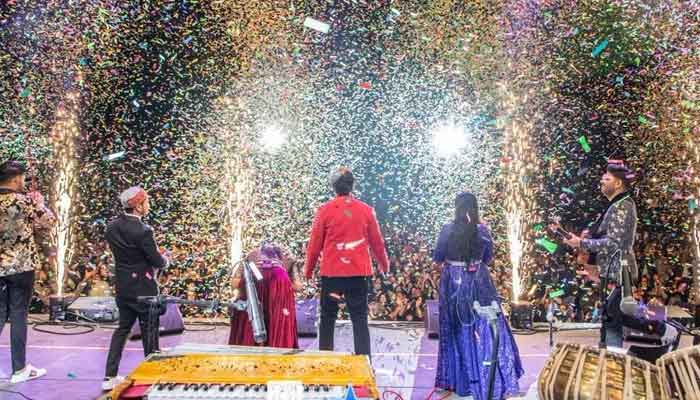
648, 354
655, 313
98, 309
171, 323
307, 317
432, 318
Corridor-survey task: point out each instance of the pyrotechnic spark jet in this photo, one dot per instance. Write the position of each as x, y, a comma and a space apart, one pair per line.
64, 135
695, 217
515, 241
236, 186
696, 242
519, 197
693, 146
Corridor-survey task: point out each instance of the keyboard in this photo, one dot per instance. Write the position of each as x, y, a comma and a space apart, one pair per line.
178, 391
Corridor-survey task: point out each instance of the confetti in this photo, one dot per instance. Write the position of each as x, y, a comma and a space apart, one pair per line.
188, 91
550, 246
316, 25
584, 144
600, 48
115, 156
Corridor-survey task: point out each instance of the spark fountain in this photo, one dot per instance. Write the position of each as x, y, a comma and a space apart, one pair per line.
64, 135
519, 195
515, 245
695, 219
691, 129
236, 187
236, 152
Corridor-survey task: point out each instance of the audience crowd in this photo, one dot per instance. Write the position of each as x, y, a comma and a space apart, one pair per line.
401, 295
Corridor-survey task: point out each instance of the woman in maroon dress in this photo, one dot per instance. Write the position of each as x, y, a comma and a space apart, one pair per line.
276, 295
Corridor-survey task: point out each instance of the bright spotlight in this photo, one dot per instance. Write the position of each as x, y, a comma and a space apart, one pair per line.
449, 139
272, 138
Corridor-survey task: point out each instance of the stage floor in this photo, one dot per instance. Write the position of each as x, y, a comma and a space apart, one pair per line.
403, 358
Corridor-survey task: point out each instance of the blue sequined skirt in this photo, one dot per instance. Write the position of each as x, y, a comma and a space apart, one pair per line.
466, 339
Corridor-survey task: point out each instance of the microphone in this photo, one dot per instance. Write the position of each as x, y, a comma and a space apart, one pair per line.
209, 305
550, 313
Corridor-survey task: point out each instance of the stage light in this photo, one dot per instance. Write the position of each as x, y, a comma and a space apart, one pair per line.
449, 139
521, 315
273, 137
57, 308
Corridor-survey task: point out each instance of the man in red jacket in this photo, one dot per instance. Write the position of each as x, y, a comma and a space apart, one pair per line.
344, 231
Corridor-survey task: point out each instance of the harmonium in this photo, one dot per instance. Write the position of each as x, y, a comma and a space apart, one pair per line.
234, 372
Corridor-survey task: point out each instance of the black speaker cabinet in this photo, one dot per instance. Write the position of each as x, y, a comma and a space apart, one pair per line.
521, 315
170, 323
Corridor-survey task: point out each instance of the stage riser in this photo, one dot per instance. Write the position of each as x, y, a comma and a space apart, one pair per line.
307, 317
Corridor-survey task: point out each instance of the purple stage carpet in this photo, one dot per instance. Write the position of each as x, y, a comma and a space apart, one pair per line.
403, 358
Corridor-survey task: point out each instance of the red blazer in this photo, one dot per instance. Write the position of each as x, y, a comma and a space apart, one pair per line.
344, 231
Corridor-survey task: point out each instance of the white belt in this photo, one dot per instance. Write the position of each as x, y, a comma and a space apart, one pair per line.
457, 263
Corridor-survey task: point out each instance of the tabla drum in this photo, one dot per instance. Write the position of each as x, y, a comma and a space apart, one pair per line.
578, 372
681, 373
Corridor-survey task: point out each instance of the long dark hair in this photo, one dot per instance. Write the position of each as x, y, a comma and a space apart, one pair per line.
463, 243
10, 169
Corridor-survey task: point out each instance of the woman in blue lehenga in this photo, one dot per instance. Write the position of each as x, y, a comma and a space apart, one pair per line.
464, 248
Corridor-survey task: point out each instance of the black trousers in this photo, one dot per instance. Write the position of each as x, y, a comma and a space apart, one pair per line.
355, 290
129, 311
15, 293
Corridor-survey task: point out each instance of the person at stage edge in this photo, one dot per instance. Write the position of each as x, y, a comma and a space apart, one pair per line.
276, 295
611, 247
464, 249
136, 259
25, 226
344, 231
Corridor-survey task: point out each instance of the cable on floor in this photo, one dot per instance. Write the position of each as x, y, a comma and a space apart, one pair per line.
66, 326
24, 396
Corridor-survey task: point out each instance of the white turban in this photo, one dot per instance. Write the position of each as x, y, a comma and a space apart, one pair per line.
132, 197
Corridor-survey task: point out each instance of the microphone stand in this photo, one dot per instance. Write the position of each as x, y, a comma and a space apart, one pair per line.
151, 329
154, 304
491, 314
550, 319
251, 306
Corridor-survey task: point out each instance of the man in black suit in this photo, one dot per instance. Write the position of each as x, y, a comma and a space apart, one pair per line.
136, 259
